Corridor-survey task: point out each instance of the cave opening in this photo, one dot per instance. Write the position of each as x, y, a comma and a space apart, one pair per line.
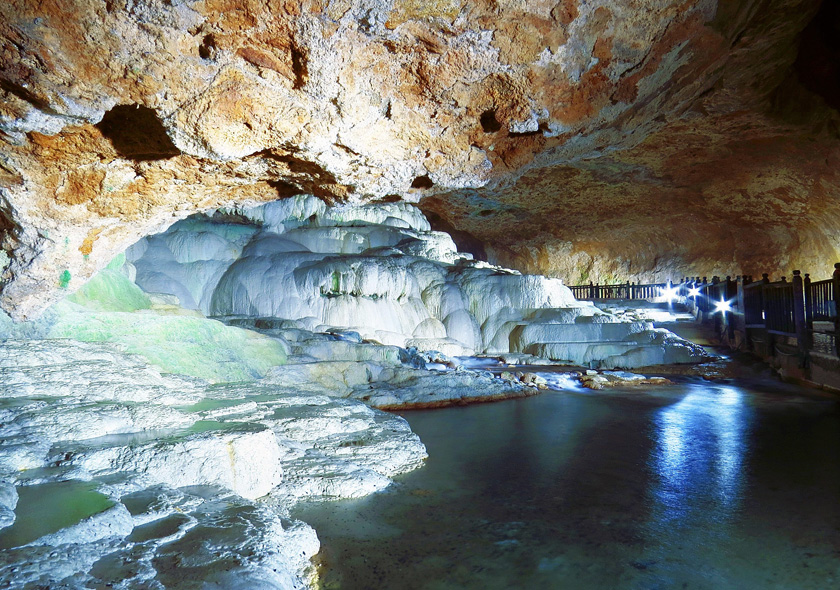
489, 123
137, 133
422, 182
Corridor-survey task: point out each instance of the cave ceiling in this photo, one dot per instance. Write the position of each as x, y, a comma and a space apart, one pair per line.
598, 140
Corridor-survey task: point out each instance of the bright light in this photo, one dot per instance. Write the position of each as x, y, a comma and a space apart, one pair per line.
669, 293
693, 292
722, 306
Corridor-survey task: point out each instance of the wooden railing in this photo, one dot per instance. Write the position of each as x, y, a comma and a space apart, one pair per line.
799, 310
753, 305
618, 291
819, 297
778, 308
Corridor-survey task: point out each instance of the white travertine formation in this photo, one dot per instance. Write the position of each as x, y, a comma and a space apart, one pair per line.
380, 271
182, 464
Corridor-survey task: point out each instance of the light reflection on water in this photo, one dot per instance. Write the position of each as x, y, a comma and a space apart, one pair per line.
699, 453
697, 461
694, 486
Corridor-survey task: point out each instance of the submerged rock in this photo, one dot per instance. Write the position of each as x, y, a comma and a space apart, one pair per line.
610, 379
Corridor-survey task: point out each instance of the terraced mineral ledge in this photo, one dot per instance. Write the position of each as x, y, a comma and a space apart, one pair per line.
214, 375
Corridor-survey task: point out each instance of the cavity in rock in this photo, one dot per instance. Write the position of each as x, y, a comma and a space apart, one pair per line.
136, 133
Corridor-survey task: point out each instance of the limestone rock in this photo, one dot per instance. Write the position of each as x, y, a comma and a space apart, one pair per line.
245, 461
623, 379
119, 118
8, 501
179, 462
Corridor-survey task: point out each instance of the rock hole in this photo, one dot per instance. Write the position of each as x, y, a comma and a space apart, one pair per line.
285, 189
388, 199
299, 67
207, 49
422, 182
489, 122
136, 133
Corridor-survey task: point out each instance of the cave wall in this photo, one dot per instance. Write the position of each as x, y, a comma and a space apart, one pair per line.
535, 127
732, 194
745, 181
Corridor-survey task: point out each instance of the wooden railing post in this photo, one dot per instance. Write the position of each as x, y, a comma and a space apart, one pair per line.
591, 290
729, 294
809, 303
809, 312
799, 318
741, 316
836, 285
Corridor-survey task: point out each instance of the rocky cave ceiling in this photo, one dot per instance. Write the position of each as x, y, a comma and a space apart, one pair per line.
621, 139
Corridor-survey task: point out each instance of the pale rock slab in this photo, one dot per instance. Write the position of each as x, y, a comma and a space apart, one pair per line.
381, 272
171, 462
245, 461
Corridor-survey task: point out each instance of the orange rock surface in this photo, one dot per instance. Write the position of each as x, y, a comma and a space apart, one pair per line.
588, 140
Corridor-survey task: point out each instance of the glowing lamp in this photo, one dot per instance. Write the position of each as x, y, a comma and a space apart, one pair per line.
693, 292
723, 306
670, 293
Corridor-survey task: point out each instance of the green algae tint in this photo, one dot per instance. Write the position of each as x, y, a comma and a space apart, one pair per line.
198, 347
64, 279
215, 425
110, 290
207, 405
47, 508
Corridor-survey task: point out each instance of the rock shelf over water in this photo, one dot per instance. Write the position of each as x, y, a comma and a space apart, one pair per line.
183, 463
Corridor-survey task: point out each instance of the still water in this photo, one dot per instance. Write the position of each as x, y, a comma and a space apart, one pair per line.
697, 485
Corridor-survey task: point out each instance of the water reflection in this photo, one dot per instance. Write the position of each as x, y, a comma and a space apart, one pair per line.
698, 460
691, 486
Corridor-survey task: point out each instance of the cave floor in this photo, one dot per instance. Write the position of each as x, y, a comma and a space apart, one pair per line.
727, 484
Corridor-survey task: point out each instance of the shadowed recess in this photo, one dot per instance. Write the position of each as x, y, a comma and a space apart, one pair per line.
465, 241
136, 133
818, 61
422, 182
489, 123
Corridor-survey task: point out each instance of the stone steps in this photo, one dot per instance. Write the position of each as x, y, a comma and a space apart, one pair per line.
577, 332
600, 354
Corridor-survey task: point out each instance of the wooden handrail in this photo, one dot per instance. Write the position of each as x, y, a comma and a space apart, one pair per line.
797, 308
